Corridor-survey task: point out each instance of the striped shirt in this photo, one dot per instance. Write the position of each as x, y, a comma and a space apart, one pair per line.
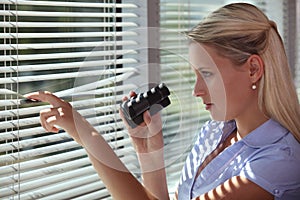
268, 156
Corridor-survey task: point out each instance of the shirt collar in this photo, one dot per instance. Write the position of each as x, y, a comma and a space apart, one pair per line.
268, 133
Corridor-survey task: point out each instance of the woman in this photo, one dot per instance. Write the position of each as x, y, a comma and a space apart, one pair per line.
244, 80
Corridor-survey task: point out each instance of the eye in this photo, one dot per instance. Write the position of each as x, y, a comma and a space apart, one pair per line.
206, 74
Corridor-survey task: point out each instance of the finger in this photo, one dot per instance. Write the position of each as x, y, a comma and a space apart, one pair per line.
121, 114
153, 123
124, 120
124, 98
132, 131
49, 118
45, 97
132, 94
44, 114
147, 117
52, 121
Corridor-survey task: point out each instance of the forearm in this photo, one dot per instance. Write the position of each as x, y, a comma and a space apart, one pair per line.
148, 142
154, 174
121, 184
114, 174
156, 183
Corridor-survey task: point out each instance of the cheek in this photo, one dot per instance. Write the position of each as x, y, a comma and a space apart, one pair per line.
229, 97
217, 90
237, 95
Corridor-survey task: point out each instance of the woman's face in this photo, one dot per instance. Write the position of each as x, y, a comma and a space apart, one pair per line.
225, 88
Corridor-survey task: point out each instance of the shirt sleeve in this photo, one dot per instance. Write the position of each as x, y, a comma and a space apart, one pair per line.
276, 169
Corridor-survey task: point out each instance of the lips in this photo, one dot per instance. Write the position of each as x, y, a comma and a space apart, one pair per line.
208, 105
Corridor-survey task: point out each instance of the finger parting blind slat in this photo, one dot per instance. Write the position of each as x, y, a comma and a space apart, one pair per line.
77, 50
105, 91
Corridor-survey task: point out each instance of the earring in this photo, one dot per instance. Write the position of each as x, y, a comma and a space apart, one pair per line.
253, 86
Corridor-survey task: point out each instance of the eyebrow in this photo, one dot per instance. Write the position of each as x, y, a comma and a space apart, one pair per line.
195, 67
203, 68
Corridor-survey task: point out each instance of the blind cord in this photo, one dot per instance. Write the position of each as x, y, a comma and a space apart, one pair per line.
18, 91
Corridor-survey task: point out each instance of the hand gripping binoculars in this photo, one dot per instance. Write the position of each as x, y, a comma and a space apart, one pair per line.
153, 100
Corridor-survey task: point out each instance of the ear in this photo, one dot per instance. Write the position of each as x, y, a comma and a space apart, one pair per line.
255, 67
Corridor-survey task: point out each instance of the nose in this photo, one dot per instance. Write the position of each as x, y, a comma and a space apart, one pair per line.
200, 88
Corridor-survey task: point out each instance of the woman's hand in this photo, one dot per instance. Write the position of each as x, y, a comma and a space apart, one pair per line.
60, 114
146, 137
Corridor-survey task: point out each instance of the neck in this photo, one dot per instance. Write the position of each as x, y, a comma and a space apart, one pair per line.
249, 121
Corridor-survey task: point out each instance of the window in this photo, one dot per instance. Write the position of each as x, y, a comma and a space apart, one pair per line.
92, 53
78, 50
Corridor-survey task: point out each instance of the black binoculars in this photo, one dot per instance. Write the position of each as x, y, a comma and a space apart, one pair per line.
153, 100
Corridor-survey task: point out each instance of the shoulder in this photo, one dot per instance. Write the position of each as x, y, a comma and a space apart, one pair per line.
274, 163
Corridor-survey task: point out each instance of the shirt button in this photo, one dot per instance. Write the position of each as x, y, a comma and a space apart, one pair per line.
276, 191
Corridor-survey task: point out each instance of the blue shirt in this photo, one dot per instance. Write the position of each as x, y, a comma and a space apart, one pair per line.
268, 156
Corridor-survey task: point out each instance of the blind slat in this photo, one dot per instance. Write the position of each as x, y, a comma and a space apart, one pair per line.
98, 84
67, 45
58, 187
88, 187
29, 154
66, 14
35, 120
66, 34
90, 73
95, 191
33, 174
65, 55
41, 162
8, 158
65, 24
70, 4
68, 65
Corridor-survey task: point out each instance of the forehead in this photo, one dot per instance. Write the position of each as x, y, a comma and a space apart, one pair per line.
200, 57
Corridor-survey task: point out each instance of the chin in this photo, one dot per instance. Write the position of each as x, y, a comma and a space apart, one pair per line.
218, 116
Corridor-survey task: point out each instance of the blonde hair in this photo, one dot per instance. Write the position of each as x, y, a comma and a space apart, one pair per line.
240, 30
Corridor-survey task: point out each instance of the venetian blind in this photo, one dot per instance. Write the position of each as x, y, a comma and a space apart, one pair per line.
78, 50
